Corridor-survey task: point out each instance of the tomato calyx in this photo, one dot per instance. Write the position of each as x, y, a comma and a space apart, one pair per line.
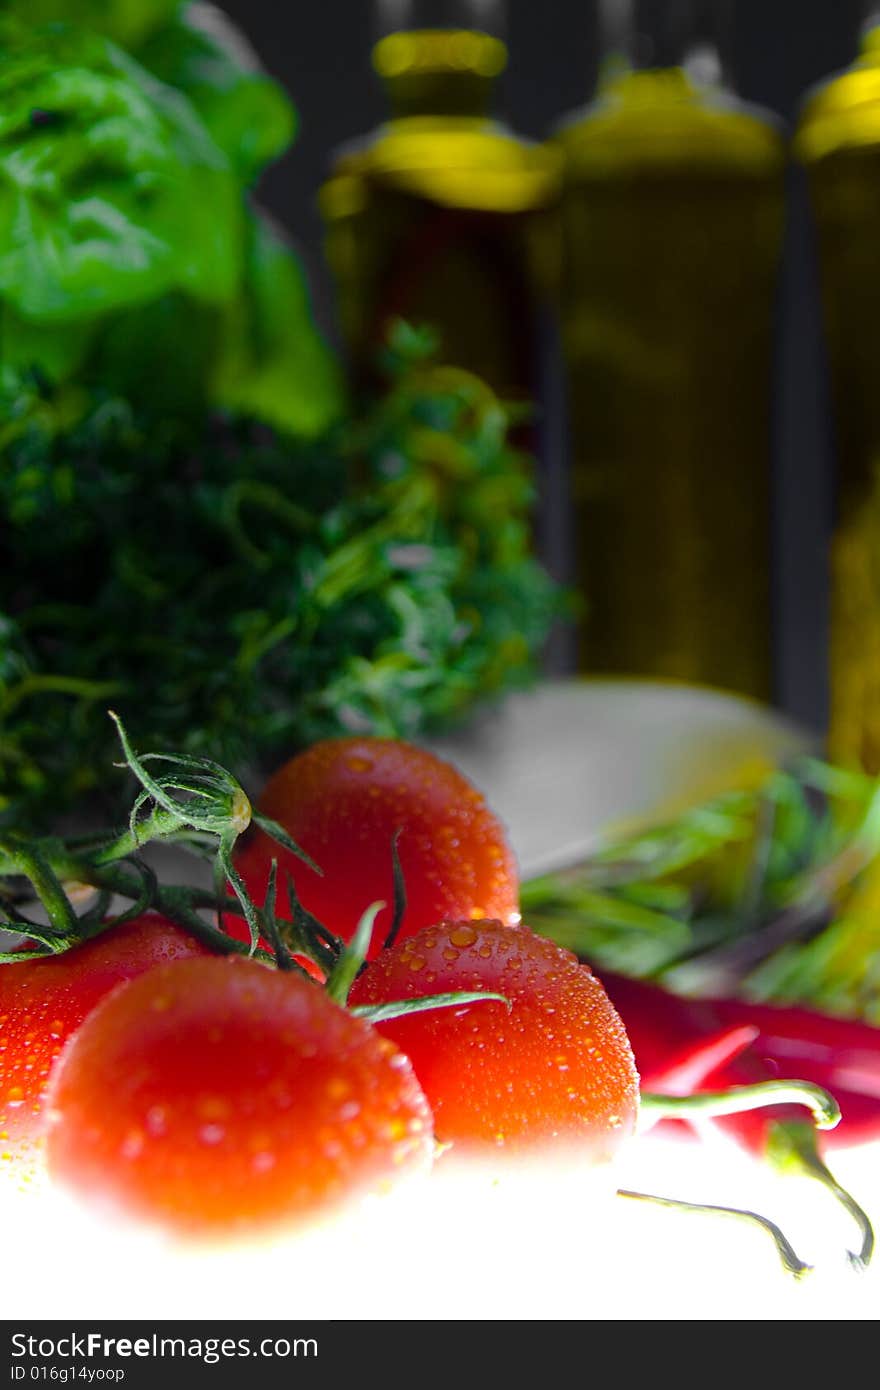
195, 804
341, 962
351, 959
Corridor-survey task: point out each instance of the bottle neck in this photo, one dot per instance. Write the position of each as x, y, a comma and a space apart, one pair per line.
439, 72
870, 40
691, 36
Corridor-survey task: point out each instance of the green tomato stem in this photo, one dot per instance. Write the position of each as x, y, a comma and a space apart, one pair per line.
35, 865
180, 904
159, 825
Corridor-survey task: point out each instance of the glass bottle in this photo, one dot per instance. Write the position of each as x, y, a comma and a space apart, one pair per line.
672, 215
838, 140
436, 217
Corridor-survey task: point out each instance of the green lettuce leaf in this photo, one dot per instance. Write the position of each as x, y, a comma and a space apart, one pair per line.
158, 356
126, 22
111, 190
275, 364
56, 351
202, 54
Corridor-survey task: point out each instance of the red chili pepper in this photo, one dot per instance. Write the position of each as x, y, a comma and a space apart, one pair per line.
842, 1055
683, 1045
690, 1046
677, 1042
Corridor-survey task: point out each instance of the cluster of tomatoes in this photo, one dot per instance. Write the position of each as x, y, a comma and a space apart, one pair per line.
215, 1094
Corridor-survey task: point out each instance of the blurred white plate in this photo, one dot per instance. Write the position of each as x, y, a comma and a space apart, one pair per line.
565, 762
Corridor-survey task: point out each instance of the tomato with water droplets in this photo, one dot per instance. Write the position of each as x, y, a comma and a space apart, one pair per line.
43, 1001
550, 1072
344, 800
242, 1098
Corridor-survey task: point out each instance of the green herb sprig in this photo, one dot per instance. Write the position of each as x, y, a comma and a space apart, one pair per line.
773, 895
231, 592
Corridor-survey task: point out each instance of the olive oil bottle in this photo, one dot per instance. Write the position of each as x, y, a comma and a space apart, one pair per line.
838, 139
437, 217
671, 225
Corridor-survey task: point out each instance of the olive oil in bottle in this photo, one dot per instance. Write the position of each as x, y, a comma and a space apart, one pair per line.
672, 215
838, 139
436, 217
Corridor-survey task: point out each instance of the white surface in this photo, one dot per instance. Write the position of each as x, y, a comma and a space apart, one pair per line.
560, 1248
561, 764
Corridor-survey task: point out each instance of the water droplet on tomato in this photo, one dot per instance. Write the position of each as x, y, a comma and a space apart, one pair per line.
213, 1108
395, 1129
132, 1145
358, 763
157, 1120
463, 936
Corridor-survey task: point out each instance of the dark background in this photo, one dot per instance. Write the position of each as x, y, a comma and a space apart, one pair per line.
777, 51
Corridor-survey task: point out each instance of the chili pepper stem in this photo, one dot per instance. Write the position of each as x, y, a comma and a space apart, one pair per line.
706, 1104
791, 1261
791, 1147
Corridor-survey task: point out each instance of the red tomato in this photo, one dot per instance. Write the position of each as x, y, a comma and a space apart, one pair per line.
43, 1001
217, 1096
553, 1072
343, 800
